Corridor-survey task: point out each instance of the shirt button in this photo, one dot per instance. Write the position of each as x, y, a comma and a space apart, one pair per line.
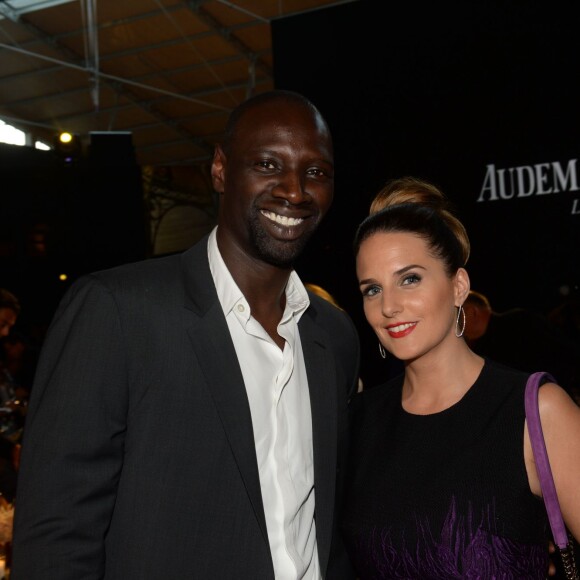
241, 308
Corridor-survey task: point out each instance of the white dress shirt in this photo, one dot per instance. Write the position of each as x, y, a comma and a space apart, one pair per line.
277, 389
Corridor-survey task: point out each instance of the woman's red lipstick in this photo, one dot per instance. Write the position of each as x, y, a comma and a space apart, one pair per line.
401, 329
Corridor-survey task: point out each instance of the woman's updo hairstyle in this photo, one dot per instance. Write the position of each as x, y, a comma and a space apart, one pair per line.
414, 206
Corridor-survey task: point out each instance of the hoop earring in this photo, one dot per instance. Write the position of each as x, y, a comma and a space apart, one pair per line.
382, 351
460, 311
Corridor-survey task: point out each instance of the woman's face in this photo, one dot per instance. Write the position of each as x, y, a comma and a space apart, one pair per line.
409, 300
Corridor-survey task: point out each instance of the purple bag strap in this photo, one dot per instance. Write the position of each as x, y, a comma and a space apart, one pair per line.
541, 457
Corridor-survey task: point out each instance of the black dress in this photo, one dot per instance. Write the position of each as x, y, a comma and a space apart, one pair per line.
445, 495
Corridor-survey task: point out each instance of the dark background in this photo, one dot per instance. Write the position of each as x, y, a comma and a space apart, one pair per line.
434, 90
70, 215
439, 91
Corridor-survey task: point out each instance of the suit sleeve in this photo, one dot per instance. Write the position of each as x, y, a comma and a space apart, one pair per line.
72, 449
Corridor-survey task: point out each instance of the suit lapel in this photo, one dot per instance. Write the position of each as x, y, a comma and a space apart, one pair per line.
321, 374
214, 349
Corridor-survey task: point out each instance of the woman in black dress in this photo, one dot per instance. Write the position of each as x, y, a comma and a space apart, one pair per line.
442, 482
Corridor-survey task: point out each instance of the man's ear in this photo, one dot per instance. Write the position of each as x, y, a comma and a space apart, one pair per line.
462, 286
218, 167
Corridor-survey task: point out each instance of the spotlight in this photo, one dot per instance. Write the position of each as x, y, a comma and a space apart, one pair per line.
65, 137
67, 146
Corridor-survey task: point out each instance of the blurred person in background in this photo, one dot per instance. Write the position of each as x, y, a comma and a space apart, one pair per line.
11, 410
523, 339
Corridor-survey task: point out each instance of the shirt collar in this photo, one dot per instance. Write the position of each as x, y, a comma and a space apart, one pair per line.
230, 295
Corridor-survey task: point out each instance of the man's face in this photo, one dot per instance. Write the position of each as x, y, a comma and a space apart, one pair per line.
7, 321
276, 181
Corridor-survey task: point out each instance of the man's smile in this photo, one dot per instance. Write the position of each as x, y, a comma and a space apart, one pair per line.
281, 219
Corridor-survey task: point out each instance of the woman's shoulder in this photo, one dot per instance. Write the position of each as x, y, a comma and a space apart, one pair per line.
496, 368
508, 383
498, 374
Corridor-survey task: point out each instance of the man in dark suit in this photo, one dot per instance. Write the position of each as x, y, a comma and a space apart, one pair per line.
189, 414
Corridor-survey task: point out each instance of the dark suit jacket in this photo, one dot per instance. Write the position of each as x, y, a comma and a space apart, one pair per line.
138, 459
